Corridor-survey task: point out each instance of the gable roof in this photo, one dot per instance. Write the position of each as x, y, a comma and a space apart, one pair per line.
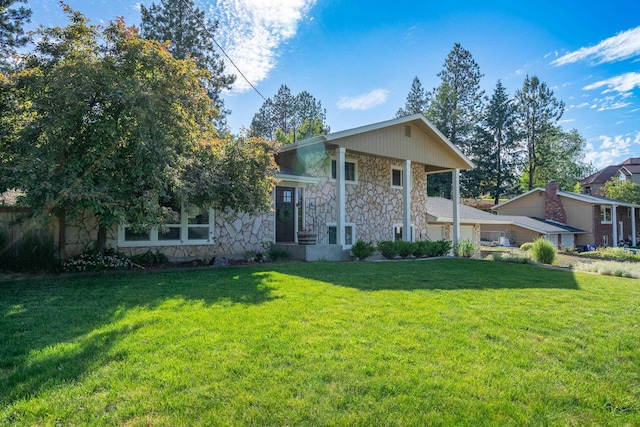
630, 166
424, 145
586, 198
441, 210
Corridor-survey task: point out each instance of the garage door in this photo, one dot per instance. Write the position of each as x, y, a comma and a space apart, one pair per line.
435, 232
466, 233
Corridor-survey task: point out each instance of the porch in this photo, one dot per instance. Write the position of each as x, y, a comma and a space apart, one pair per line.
315, 252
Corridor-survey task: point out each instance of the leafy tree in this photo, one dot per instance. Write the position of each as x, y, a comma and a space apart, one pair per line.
288, 118
456, 109
561, 159
182, 25
417, 100
622, 189
496, 153
12, 34
538, 113
116, 126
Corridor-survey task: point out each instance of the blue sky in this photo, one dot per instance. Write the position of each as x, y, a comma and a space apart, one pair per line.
359, 58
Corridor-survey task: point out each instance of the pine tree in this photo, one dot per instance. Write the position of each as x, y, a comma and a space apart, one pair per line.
417, 100
496, 152
455, 110
538, 113
171, 21
11, 29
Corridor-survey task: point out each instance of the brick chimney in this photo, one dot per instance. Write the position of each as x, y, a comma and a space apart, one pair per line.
553, 209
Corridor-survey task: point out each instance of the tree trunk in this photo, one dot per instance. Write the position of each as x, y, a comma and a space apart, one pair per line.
101, 241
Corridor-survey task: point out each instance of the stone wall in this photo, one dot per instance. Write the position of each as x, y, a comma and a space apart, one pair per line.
371, 203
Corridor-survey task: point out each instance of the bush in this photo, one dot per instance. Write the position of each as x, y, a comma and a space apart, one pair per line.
543, 251
278, 254
442, 247
150, 258
362, 250
404, 248
92, 261
500, 257
526, 246
5, 250
388, 249
34, 252
465, 248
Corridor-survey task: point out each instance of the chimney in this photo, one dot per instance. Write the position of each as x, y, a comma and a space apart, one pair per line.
553, 209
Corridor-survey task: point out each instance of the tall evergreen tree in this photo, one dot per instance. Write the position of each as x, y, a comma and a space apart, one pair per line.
289, 118
456, 109
538, 113
12, 35
171, 21
417, 100
496, 152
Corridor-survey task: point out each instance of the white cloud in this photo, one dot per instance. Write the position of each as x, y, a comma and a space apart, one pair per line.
618, 141
364, 101
622, 84
624, 45
252, 32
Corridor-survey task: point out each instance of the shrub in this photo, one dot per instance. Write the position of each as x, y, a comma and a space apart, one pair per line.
5, 249
34, 252
277, 254
150, 258
442, 247
404, 248
500, 257
421, 248
92, 261
465, 248
543, 251
526, 246
388, 249
362, 250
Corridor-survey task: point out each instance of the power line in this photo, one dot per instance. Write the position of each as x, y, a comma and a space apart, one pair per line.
206, 30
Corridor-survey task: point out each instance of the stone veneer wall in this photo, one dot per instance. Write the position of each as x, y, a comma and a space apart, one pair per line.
238, 233
372, 204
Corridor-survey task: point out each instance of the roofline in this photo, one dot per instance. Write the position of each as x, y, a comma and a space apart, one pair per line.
586, 198
297, 178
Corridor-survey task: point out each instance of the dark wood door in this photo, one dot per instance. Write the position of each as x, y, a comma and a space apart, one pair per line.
285, 214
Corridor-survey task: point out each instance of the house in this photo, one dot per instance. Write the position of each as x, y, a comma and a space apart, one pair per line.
629, 169
367, 183
605, 222
486, 228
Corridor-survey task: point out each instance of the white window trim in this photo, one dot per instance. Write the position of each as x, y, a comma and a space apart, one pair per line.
153, 234
346, 160
603, 209
348, 224
401, 225
401, 169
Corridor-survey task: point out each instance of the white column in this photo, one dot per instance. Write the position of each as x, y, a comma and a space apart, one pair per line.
455, 199
341, 195
633, 226
614, 225
406, 205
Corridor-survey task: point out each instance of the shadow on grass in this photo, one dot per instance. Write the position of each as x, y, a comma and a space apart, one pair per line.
436, 274
53, 331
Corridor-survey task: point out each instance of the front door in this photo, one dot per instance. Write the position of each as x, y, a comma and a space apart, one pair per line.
285, 214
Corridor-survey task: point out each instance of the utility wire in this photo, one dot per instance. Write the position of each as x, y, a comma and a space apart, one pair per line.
206, 30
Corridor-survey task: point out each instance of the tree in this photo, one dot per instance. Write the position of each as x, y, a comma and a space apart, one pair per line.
11, 29
622, 189
561, 159
496, 152
538, 112
417, 100
183, 26
118, 127
456, 109
287, 118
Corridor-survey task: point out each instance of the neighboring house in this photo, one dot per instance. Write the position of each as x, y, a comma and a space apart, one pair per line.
489, 229
629, 169
367, 183
605, 222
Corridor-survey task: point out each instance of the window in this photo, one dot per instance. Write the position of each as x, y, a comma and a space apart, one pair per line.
396, 177
397, 232
349, 171
605, 214
587, 190
195, 227
407, 131
349, 234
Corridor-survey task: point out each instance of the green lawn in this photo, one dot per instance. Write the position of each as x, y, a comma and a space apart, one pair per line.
437, 342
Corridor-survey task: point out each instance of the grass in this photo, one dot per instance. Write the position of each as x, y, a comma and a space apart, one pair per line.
438, 342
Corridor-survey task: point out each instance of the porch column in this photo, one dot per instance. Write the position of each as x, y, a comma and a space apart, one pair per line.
406, 206
341, 195
455, 199
633, 226
614, 225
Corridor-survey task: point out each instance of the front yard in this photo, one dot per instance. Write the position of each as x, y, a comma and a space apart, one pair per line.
436, 342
